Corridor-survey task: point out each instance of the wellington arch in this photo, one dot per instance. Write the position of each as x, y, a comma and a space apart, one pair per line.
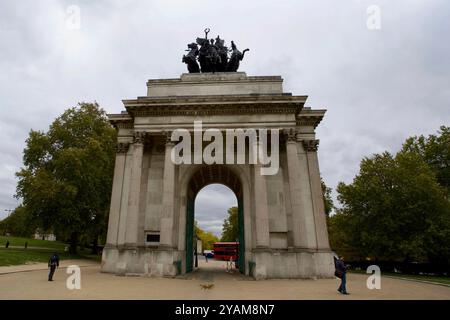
282, 223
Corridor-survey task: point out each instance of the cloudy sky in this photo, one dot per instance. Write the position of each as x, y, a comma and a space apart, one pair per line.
379, 85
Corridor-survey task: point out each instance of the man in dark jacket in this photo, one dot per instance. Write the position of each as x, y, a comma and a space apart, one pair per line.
341, 272
53, 263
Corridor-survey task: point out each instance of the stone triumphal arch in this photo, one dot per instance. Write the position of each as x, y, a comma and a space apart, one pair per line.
282, 224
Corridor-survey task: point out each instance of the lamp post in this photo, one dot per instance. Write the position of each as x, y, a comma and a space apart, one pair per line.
195, 251
9, 213
237, 253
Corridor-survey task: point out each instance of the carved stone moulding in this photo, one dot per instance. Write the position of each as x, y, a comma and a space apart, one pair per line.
122, 147
290, 135
146, 111
310, 145
139, 136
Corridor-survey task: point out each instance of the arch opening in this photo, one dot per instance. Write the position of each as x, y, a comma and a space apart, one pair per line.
228, 185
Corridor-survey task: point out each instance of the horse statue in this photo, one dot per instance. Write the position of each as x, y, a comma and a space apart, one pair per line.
191, 58
236, 57
212, 56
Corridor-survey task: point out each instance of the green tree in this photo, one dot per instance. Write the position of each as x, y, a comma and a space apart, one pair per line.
339, 230
66, 180
327, 199
393, 209
230, 228
435, 151
207, 238
19, 223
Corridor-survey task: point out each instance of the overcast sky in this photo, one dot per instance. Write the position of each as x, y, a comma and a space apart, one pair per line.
379, 85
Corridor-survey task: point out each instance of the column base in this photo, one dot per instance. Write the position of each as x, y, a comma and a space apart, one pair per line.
291, 265
141, 261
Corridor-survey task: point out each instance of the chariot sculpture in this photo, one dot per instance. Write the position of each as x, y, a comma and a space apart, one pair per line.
212, 56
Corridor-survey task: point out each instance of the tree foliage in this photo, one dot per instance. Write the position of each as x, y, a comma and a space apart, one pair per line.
66, 180
397, 207
207, 238
327, 199
19, 223
435, 151
230, 228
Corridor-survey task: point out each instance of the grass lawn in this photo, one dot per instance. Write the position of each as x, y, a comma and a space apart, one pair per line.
435, 279
44, 249
12, 257
16, 241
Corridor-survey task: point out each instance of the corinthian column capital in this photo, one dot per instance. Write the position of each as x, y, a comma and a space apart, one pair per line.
138, 137
122, 147
168, 137
311, 145
291, 135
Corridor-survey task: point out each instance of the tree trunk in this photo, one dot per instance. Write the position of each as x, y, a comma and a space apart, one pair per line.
73, 243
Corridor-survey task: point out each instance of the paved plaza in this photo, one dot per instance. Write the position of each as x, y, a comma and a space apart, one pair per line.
210, 281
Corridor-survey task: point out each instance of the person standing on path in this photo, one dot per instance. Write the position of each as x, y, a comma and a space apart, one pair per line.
341, 273
53, 263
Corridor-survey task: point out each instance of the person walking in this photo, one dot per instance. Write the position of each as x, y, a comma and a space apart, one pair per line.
53, 263
26, 244
7, 244
341, 273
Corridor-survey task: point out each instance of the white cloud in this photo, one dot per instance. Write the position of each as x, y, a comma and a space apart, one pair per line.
378, 86
211, 207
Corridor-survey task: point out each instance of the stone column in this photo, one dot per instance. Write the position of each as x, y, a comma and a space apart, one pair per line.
131, 235
261, 209
317, 194
167, 223
300, 193
116, 195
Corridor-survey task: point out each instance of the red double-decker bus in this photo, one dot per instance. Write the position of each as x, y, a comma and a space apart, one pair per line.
226, 250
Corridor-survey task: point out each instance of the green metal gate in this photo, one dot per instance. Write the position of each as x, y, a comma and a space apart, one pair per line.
241, 253
190, 235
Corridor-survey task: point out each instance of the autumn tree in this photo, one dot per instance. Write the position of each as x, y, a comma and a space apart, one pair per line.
207, 238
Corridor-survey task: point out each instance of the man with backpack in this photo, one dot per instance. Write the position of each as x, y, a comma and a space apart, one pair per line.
53, 263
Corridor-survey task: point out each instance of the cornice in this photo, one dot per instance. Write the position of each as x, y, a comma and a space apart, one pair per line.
310, 117
121, 120
213, 109
215, 104
215, 99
